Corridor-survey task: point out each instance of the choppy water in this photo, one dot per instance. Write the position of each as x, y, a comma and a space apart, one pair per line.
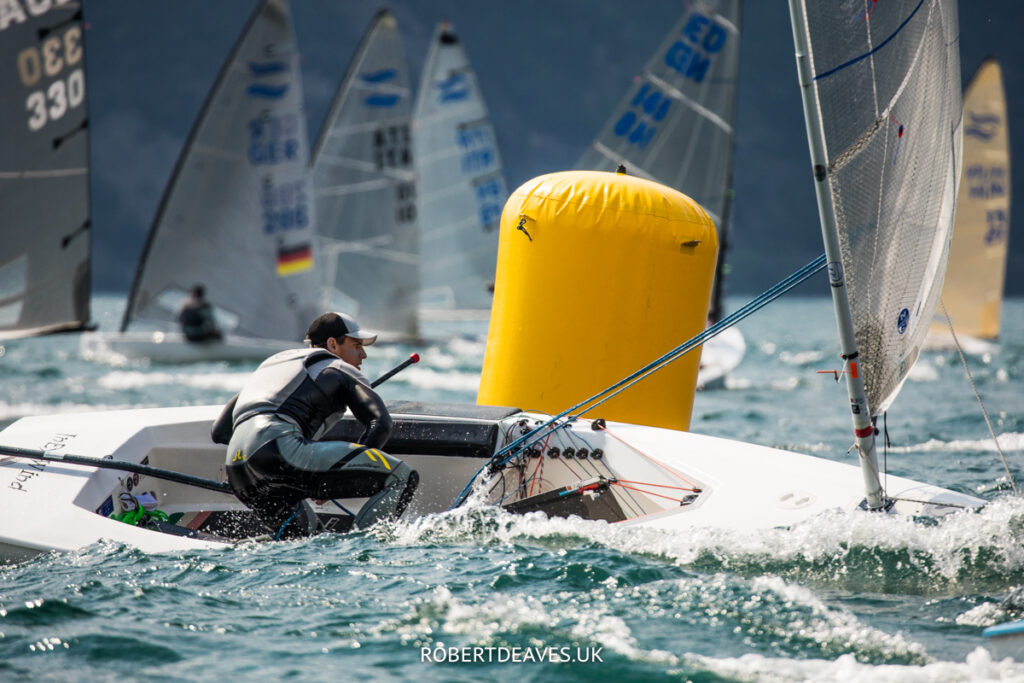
846, 596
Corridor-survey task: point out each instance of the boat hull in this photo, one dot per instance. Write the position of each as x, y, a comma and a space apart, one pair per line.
719, 356
63, 507
653, 477
675, 480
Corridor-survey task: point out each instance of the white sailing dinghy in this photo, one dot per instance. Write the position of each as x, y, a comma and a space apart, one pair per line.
236, 216
628, 473
461, 187
882, 105
675, 126
365, 189
44, 173
52, 505
973, 291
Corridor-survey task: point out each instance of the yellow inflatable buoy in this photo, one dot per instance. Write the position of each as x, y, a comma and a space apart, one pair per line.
598, 274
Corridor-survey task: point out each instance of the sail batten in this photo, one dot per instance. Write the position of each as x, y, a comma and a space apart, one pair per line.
45, 253
239, 200
677, 94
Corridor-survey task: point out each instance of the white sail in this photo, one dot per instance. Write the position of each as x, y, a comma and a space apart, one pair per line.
887, 98
44, 171
461, 183
675, 123
365, 188
237, 215
973, 292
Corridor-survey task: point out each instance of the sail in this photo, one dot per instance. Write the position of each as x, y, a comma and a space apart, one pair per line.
44, 170
973, 293
365, 188
675, 123
886, 87
461, 183
237, 214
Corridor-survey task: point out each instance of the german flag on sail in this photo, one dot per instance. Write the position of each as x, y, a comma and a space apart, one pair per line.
295, 259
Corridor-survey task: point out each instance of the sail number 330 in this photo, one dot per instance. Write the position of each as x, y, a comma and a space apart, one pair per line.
55, 55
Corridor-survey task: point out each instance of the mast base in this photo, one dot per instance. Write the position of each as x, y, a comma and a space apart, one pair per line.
886, 505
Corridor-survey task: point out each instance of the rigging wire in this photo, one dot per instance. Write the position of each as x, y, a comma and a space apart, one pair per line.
981, 404
760, 301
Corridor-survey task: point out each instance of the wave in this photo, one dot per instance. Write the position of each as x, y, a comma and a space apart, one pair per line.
738, 383
766, 610
122, 379
923, 371
448, 380
969, 551
13, 411
1008, 441
801, 358
977, 666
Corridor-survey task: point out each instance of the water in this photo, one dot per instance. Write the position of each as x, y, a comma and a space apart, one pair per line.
845, 596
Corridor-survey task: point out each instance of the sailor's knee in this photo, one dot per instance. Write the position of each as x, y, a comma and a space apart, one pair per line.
402, 470
404, 475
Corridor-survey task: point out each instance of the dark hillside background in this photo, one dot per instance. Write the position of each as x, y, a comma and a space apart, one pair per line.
551, 71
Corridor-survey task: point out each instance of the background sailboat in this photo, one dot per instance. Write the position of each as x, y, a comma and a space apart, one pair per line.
236, 216
461, 185
365, 188
675, 126
44, 173
973, 291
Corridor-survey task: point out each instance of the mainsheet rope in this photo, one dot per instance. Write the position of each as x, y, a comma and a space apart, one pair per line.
970, 379
508, 451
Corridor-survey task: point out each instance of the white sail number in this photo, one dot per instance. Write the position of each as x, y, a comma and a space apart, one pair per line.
490, 195
12, 13
284, 206
56, 100
56, 54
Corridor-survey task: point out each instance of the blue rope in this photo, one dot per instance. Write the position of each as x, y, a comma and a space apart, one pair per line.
343, 508
537, 433
287, 521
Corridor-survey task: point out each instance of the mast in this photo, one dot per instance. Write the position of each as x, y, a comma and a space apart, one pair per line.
863, 428
715, 311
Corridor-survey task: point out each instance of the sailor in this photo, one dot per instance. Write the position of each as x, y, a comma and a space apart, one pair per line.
196, 317
275, 460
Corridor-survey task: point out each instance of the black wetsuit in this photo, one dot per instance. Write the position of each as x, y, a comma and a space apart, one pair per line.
275, 461
197, 322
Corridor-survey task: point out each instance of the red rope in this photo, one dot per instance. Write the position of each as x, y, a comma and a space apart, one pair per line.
660, 486
536, 471
648, 493
652, 460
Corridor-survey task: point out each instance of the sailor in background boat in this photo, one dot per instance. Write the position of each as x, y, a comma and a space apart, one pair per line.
196, 317
275, 460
